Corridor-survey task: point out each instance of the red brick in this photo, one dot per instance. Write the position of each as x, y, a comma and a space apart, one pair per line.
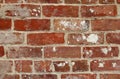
43, 66
105, 65
72, 1
61, 66
11, 38
105, 25
44, 76
98, 11
1, 51
110, 76
62, 52
45, 38
1, 1
106, 1
6, 66
11, 76
118, 1
32, 24
89, 1
5, 24
88, 38
113, 38
102, 51
79, 65
43, 1
23, 10
71, 25
23, 66
78, 76
60, 11
26, 52
13, 1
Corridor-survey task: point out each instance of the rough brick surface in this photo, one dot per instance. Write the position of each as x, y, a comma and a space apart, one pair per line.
32, 25
62, 52
59, 39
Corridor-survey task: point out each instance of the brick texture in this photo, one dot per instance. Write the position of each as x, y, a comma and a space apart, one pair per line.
59, 39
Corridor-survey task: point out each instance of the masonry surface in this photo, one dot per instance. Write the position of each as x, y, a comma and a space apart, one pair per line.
59, 39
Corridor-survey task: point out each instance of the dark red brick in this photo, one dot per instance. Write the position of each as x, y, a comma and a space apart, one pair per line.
45, 38
72, 1
110, 76
5, 24
89, 1
32, 24
106, 1
60, 11
1, 51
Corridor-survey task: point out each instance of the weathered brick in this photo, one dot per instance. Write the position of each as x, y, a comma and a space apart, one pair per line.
5, 66
26, 52
13, 1
88, 38
1, 1
60, 11
61, 66
105, 25
89, 1
98, 11
78, 76
32, 24
11, 38
105, 65
109, 76
43, 1
45, 38
118, 1
62, 52
106, 1
14, 76
71, 25
1, 51
79, 65
5, 24
72, 1
101, 51
43, 66
44, 76
23, 66
22, 11
113, 38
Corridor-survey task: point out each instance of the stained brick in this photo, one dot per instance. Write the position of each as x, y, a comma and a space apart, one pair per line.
26, 52
13, 1
71, 25
32, 24
118, 1
105, 65
101, 51
11, 38
109, 76
89, 1
105, 25
60, 11
85, 39
78, 76
43, 66
5, 24
61, 66
14, 76
43, 1
45, 38
98, 11
106, 2
23, 66
62, 52
72, 1
79, 65
44, 76
113, 38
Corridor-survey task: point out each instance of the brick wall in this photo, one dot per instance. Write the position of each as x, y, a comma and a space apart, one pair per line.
59, 39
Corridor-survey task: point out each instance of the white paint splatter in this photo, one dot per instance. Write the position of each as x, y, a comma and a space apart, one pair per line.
73, 63
101, 64
93, 38
114, 64
91, 10
54, 49
61, 64
106, 50
84, 25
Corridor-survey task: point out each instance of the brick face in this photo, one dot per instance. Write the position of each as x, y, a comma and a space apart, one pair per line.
59, 39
